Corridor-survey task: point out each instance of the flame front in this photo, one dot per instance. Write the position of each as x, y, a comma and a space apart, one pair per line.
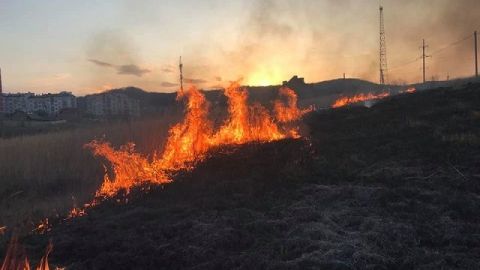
343, 101
190, 140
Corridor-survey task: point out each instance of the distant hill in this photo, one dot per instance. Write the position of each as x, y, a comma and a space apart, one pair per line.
322, 94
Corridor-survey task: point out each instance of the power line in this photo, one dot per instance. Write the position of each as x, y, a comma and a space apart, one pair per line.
405, 64
452, 44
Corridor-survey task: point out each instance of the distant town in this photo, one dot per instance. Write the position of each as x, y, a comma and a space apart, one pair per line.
51, 105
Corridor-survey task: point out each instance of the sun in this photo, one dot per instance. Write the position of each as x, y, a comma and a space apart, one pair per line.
265, 76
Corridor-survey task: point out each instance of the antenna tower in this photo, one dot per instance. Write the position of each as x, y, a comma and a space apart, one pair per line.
180, 66
383, 50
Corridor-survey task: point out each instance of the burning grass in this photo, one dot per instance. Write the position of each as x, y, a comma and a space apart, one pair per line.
191, 139
368, 190
371, 188
343, 101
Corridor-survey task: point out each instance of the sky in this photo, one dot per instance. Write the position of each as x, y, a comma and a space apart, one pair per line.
94, 45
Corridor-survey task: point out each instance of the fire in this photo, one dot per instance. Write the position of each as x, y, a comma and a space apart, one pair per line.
16, 257
343, 101
288, 112
190, 140
129, 168
246, 123
409, 90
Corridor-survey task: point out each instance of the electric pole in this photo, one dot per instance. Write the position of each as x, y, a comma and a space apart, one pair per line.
383, 50
423, 57
180, 66
1, 93
476, 53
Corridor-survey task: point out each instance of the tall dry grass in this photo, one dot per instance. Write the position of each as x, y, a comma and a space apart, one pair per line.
45, 174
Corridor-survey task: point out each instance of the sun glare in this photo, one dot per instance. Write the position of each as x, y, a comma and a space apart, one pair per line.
265, 76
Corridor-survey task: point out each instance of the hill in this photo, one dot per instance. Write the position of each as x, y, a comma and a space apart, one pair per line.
395, 186
322, 93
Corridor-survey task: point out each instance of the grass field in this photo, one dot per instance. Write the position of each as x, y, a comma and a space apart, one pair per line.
45, 174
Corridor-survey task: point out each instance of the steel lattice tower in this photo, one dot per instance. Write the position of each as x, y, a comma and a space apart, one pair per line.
383, 50
180, 67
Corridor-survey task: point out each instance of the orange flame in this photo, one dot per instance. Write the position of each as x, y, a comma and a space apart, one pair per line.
246, 123
16, 257
343, 101
190, 140
409, 90
288, 112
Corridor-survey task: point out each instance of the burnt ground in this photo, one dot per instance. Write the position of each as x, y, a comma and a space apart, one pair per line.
396, 186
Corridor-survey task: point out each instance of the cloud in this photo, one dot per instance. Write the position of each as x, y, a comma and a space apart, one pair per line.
100, 63
168, 69
168, 84
218, 78
131, 70
199, 81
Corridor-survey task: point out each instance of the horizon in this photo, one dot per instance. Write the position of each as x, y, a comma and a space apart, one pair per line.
127, 43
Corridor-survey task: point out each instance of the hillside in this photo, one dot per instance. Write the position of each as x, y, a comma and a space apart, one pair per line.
322, 93
395, 186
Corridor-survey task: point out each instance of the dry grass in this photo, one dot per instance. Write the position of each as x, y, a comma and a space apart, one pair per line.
45, 174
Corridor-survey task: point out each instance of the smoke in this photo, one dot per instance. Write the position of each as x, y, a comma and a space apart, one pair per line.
277, 39
324, 39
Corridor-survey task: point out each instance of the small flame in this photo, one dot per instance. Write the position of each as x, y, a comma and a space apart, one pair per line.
288, 112
409, 90
16, 257
43, 226
343, 101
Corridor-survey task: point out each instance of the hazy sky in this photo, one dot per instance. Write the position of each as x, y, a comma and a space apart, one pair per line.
89, 46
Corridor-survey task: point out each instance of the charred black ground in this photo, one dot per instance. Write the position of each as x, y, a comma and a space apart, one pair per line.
396, 186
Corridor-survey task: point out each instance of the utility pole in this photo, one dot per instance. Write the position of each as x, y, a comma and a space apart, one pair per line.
423, 57
1, 93
180, 66
383, 50
476, 53
1, 89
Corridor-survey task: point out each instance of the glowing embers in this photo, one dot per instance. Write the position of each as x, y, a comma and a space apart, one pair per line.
190, 140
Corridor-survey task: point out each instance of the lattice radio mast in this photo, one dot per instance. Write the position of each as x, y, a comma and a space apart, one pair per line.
180, 66
383, 50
